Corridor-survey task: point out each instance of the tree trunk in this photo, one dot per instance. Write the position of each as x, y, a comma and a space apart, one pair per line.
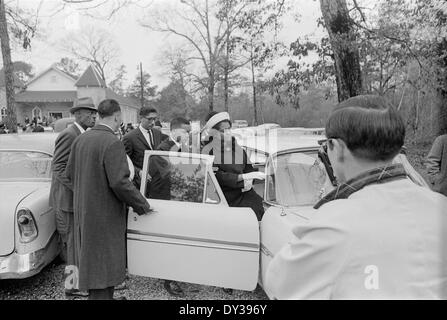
11, 117
442, 88
226, 72
211, 94
253, 83
346, 56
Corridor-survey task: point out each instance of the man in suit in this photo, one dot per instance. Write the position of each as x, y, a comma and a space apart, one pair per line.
145, 137
99, 172
61, 194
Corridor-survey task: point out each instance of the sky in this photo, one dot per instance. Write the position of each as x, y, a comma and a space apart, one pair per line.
136, 43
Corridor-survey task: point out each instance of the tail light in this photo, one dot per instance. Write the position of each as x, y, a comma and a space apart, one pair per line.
27, 225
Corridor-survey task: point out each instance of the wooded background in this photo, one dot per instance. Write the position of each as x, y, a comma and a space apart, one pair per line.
228, 53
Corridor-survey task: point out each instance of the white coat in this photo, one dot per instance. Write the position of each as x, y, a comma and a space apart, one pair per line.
386, 241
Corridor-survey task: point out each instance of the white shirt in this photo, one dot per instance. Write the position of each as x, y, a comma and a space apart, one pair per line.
79, 127
178, 144
386, 241
147, 135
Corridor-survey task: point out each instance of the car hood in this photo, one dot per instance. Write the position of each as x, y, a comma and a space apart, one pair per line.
12, 194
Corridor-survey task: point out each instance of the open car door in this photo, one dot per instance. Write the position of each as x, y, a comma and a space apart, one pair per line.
193, 235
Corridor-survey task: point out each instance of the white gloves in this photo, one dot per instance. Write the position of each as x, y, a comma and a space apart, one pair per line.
248, 184
249, 177
254, 175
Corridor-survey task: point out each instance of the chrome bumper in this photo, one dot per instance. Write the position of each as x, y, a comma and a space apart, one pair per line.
19, 266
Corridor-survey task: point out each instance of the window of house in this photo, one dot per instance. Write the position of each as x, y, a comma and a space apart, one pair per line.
2, 113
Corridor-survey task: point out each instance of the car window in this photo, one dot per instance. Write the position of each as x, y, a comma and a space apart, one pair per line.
296, 179
175, 178
24, 165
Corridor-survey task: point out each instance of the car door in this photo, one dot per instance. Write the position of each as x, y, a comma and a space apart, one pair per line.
193, 235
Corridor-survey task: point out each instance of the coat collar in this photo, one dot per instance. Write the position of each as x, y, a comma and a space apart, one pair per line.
102, 127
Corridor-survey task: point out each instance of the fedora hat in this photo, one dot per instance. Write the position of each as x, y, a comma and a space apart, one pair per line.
83, 103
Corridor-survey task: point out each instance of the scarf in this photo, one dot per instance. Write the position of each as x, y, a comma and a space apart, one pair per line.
378, 175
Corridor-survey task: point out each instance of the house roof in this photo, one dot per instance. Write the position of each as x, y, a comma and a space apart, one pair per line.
46, 96
53, 67
90, 78
122, 100
17, 82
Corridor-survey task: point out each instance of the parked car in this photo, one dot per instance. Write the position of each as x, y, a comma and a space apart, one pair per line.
196, 237
28, 237
240, 124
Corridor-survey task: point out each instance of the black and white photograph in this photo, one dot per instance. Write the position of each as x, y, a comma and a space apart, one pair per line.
238, 151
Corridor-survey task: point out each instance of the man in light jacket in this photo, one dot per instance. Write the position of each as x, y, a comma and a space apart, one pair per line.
378, 235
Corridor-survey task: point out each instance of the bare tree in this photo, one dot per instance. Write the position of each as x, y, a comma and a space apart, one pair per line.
22, 25
345, 52
11, 118
95, 46
197, 24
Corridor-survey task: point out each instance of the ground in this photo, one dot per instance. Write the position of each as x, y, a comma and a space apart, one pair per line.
49, 283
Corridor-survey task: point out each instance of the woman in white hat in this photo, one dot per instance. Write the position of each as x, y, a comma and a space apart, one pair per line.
232, 167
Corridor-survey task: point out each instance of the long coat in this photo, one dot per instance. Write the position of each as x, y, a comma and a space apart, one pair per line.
386, 241
99, 172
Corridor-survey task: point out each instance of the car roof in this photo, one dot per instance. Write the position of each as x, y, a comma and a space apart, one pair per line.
272, 146
280, 139
39, 141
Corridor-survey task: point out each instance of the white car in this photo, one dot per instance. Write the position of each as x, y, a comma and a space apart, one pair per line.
28, 237
196, 237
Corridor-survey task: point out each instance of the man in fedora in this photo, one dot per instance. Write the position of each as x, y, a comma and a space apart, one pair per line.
61, 194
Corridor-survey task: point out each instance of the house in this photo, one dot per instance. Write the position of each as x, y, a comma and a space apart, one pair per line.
52, 93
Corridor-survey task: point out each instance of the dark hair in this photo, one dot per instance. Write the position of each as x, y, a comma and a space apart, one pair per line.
108, 107
212, 114
178, 122
144, 111
369, 125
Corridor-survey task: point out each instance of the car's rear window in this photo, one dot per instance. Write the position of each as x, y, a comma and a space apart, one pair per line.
24, 165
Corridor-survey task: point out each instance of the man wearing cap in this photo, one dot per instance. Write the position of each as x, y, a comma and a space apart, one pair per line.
61, 194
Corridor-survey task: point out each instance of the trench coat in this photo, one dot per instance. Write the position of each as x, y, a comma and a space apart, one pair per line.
99, 172
386, 241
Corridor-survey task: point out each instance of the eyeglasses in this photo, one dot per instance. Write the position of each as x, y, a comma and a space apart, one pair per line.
151, 119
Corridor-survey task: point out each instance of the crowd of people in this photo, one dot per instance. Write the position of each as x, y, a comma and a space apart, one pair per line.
375, 216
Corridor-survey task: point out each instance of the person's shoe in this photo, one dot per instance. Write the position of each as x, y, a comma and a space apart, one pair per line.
121, 286
75, 293
173, 288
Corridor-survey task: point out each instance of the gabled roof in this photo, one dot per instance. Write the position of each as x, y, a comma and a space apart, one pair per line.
90, 78
122, 100
53, 67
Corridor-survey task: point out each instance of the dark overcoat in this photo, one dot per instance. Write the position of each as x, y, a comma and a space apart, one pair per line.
99, 172
61, 194
227, 173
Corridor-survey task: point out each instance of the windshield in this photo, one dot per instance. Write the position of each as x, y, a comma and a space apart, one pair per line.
297, 179
24, 165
